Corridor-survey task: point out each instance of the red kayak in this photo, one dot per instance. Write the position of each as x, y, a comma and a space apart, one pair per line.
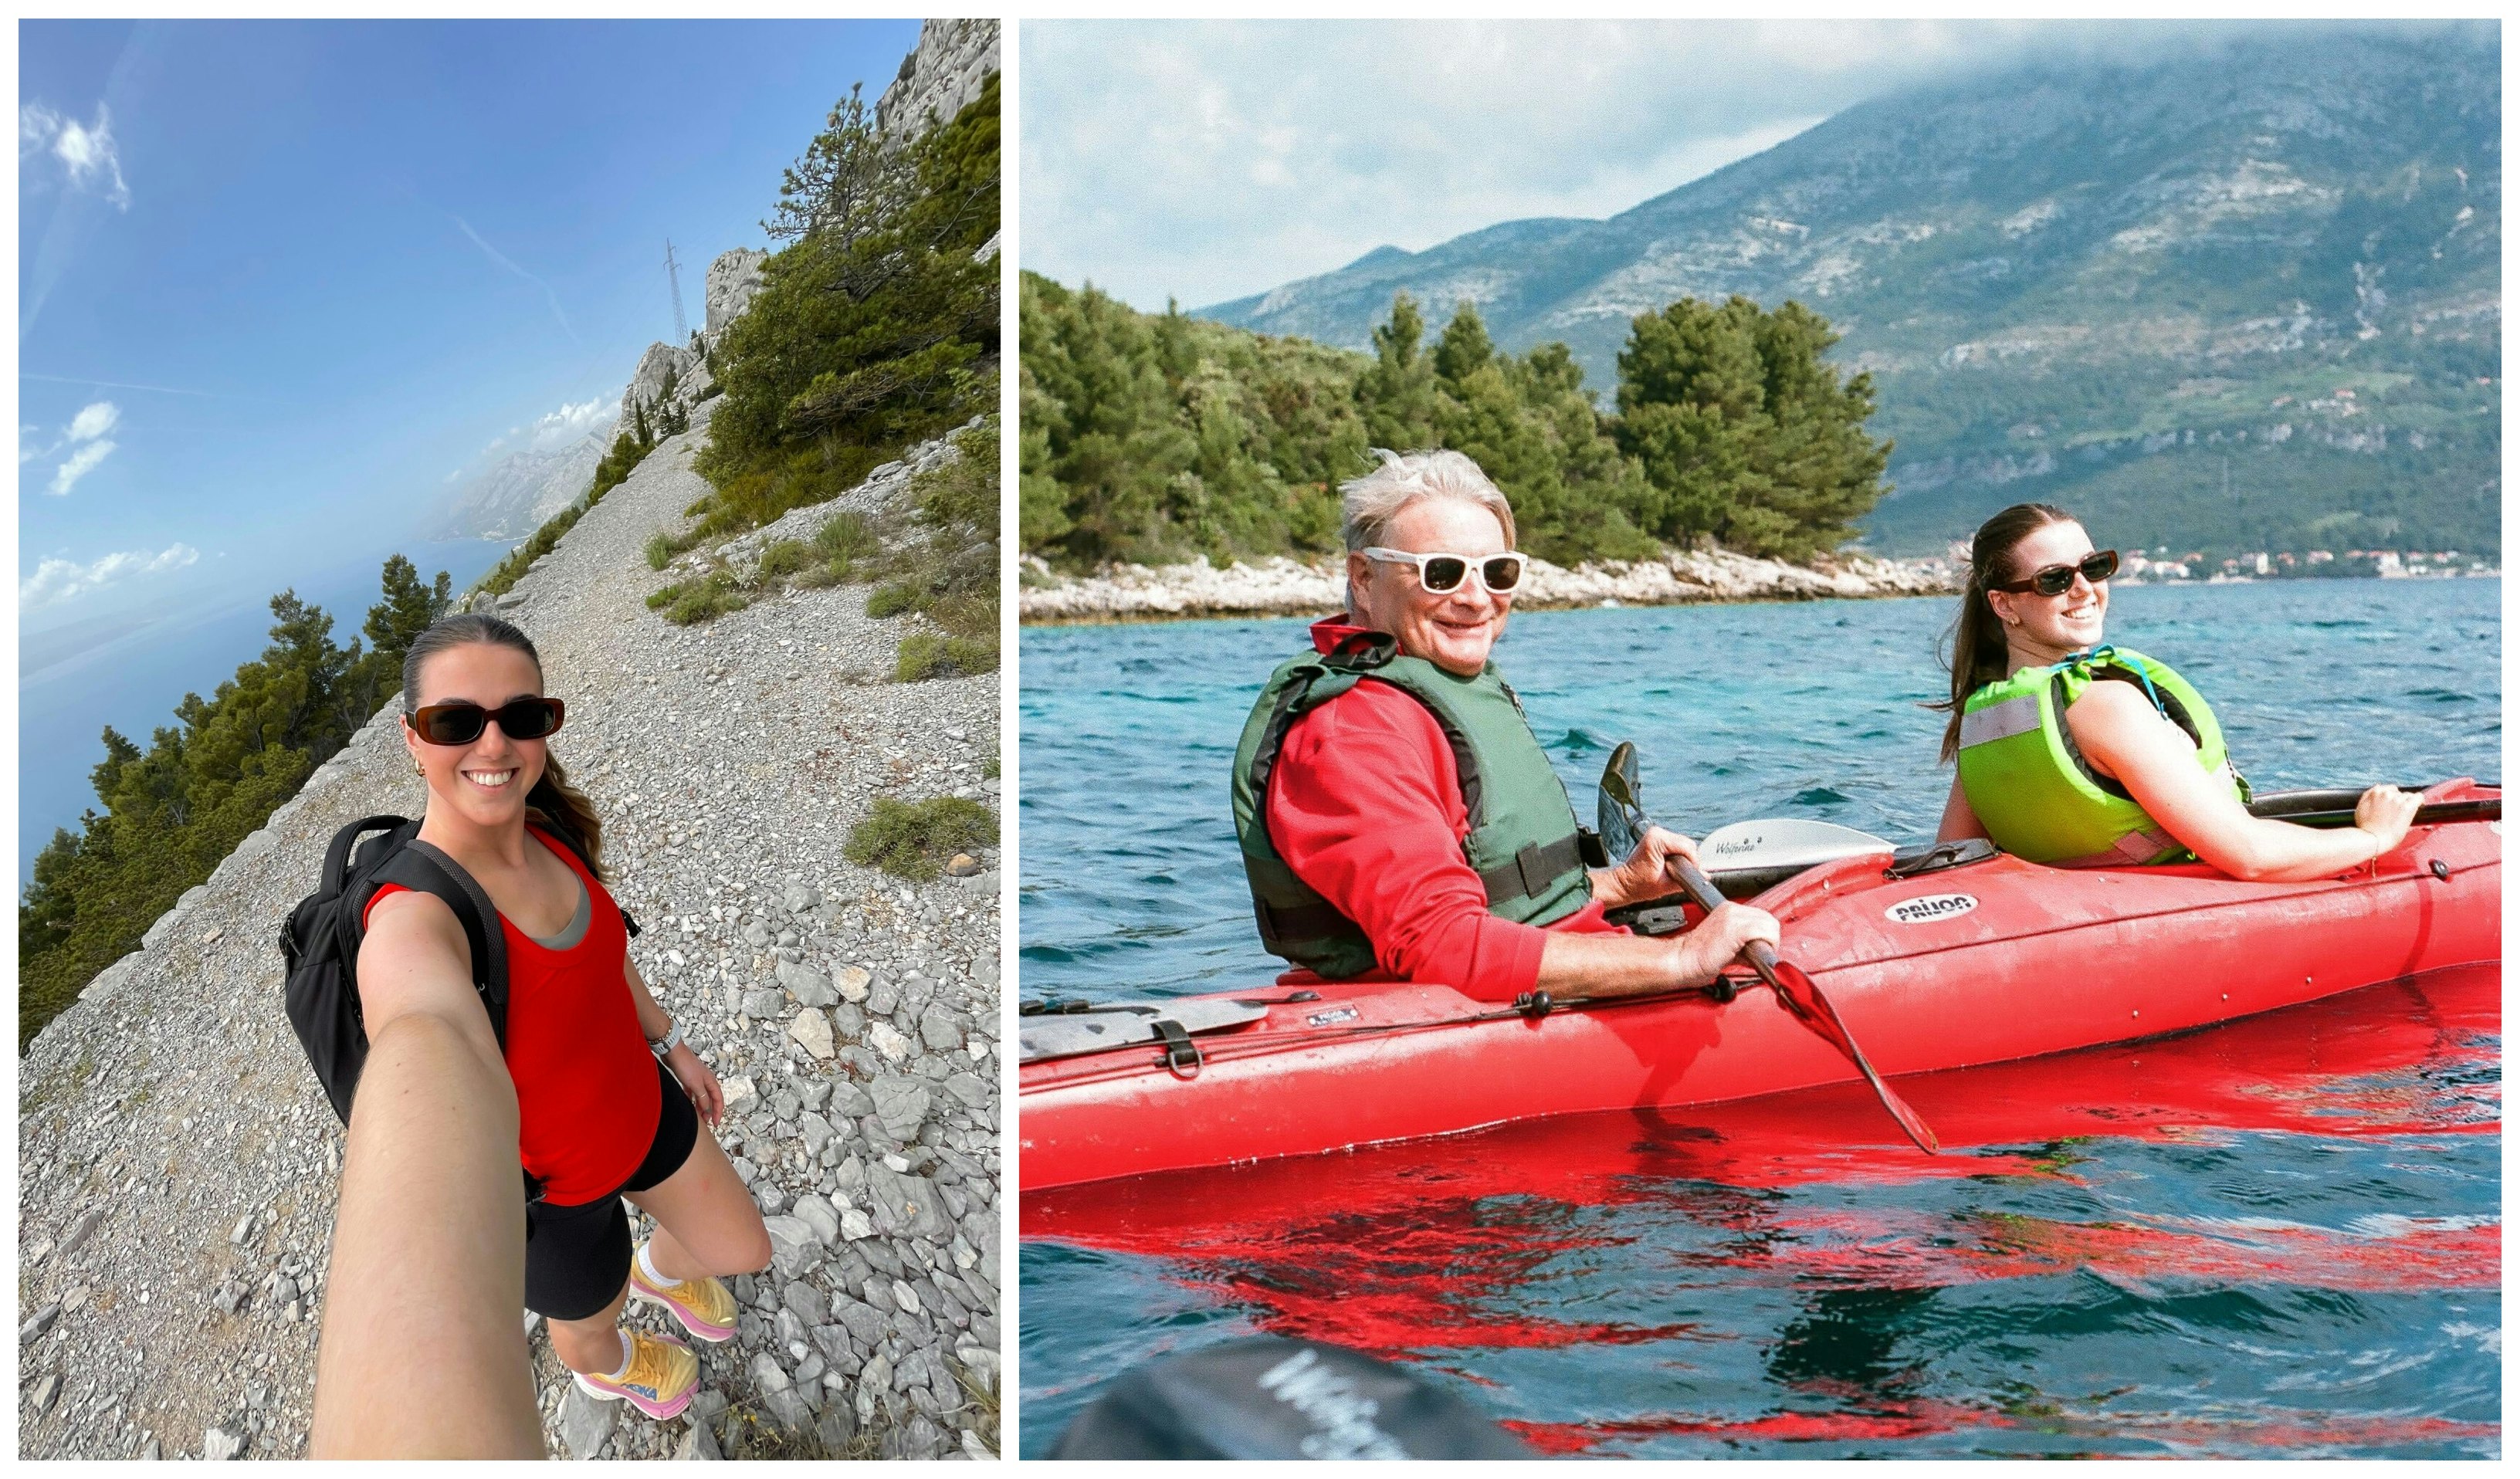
1987, 961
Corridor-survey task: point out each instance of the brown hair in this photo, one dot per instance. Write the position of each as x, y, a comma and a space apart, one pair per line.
560, 806
1975, 651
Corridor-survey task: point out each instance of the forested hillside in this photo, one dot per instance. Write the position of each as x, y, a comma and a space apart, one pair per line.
1157, 437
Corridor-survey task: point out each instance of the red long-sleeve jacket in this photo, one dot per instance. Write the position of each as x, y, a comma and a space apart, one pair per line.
1365, 804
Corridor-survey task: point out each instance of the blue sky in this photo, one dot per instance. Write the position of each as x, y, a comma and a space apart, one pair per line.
278, 282
1293, 148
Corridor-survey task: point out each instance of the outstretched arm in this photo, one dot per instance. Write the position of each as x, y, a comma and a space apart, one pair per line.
2119, 730
428, 1278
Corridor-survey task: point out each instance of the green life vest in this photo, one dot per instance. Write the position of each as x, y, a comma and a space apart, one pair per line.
2036, 795
1523, 841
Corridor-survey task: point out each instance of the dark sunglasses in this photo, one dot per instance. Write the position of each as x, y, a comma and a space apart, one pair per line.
1440, 573
2056, 580
460, 723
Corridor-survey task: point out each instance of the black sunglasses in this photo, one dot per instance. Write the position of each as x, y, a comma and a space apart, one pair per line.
2056, 580
460, 723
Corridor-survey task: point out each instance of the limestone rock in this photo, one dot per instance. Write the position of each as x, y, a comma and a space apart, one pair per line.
901, 1103
813, 1032
733, 279
811, 987
794, 1248
953, 60
585, 1421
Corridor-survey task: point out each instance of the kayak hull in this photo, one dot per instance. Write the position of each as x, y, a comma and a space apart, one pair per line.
1992, 962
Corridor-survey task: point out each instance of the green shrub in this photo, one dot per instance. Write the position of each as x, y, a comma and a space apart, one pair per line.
846, 535
830, 572
893, 600
915, 839
786, 558
686, 602
925, 654
922, 657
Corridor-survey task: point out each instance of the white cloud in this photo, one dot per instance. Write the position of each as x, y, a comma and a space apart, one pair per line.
559, 429
554, 429
55, 580
27, 453
80, 463
86, 150
94, 420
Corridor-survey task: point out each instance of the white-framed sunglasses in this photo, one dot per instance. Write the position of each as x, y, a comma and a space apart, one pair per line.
1441, 574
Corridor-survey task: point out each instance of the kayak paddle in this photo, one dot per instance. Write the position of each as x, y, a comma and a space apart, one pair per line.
1623, 825
2434, 814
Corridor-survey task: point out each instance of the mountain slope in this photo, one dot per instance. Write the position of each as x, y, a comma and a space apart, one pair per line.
2095, 281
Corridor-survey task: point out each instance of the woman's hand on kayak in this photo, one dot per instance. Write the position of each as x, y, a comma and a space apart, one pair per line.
1646, 873
2386, 812
697, 1081
1718, 940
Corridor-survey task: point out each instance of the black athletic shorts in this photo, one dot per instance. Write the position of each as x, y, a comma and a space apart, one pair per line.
577, 1258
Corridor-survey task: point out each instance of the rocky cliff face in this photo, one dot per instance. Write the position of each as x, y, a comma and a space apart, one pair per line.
952, 59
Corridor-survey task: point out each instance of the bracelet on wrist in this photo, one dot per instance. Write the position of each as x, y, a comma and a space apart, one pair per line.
672, 1039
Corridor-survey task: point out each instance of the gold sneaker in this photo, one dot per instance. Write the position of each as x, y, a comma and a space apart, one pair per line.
703, 1305
662, 1376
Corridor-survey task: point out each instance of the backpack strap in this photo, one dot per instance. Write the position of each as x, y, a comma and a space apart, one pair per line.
337, 858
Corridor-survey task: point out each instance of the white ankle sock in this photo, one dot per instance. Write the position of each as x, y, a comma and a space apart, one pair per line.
648, 1267
629, 1353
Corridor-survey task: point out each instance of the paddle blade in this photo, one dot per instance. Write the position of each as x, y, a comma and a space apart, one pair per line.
1619, 813
1800, 994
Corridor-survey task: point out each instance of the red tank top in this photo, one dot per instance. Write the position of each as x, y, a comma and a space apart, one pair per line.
586, 1085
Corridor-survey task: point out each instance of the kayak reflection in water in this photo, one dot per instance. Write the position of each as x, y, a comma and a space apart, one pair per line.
2079, 754
1395, 813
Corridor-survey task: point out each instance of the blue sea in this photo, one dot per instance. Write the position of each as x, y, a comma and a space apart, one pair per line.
69, 689
2305, 1262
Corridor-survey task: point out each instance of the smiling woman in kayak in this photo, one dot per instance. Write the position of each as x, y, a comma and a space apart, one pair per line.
2079, 754
1394, 810
597, 1117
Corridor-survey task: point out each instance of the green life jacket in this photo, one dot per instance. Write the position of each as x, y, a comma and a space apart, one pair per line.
1523, 841
2036, 794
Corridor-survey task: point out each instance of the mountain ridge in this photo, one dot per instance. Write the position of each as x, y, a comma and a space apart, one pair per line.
2051, 259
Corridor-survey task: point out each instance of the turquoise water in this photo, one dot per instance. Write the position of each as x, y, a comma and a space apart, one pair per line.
2246, 1283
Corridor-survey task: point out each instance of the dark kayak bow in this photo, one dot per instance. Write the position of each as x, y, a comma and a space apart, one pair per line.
1623, 825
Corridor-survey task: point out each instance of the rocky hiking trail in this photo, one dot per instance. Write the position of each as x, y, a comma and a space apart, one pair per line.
178, 1164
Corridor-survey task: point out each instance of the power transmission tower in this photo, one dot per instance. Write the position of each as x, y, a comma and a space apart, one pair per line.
673, 276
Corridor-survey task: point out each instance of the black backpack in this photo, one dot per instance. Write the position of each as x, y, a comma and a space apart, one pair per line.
320, 943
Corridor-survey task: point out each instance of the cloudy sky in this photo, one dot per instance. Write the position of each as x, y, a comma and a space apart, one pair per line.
1205, 161
282, 286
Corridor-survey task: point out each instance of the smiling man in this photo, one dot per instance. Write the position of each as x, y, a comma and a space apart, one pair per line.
1395, 811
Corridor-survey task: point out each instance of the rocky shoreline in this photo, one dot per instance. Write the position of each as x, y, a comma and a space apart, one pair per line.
177, 1163
1284, 587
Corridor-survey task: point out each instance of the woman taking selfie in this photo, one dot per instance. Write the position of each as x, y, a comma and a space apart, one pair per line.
2079, 754
608, 1097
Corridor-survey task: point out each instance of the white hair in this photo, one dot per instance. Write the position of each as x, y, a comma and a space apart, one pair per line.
1367, 505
